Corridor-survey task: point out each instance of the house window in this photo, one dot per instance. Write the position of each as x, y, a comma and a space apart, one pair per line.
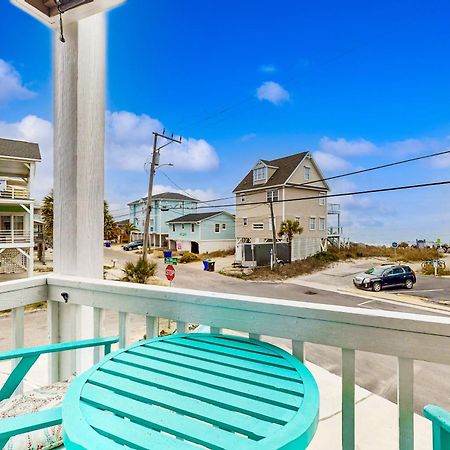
217, 227
322, 223
272, 196
307, 173
245, 221
224, 226
193, 228
258, 226
242, 198
182, 226
259, 174
322, 198
312, 223
173, 227
297, 219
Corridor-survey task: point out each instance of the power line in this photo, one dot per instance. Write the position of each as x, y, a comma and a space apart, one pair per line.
383, 166
344, 194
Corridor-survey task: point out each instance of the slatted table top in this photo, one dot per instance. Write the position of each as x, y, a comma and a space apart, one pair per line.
189, 390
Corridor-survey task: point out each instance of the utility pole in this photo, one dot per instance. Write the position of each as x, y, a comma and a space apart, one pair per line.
153, 165
274, 235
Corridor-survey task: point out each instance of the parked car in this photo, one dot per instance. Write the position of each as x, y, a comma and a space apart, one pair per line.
135, 245
385, 276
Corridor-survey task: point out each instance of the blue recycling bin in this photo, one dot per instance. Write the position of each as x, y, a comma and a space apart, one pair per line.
107, 244
167, 253
205, 264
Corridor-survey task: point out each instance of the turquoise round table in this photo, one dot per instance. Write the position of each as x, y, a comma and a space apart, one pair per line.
189, 390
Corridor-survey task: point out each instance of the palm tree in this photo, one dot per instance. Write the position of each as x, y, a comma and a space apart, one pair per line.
129, 228
111, 229
288, 229
47, 214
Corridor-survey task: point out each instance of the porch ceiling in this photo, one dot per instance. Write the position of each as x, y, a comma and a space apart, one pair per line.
13, 168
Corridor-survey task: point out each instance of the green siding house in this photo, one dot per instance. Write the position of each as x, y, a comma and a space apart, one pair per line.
202, 232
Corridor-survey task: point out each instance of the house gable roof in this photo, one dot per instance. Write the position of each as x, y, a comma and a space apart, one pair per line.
19, 150
197, 217
285, 167
166, 196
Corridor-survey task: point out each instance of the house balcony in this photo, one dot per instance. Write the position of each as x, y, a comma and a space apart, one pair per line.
406, 337
14, 193
14, 238
334, 208
335, 232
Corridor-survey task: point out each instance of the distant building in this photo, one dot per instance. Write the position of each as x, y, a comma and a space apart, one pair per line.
17, 168
165, 207
202, 232
282, 181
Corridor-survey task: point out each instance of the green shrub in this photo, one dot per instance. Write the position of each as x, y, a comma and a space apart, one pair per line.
140, 272
188, 257
429, 270
326, 257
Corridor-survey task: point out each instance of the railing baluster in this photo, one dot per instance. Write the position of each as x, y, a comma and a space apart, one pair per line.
123, 319
151, 327
53, 338
17, 340
182, 327
348, 399
405, 396
298, 350
98, 319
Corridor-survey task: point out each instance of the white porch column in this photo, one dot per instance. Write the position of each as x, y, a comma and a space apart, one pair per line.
79, 77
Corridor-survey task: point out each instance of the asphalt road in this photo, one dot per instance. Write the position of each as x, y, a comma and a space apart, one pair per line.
377, 373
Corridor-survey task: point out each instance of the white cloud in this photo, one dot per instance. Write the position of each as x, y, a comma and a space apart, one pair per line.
329, 162
247, 137
11, 86
35, 129
268, 68
129, 143
199, 194
441, 162
343, 146
273, 93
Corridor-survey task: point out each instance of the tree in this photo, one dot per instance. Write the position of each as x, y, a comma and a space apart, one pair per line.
111, 230
129, 228
140, 272
288, 228
47, 214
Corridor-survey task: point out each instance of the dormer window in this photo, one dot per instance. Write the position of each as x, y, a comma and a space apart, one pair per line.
259, 174
307, 173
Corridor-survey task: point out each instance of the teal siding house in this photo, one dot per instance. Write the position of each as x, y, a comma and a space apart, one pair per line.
165, 207
202, 232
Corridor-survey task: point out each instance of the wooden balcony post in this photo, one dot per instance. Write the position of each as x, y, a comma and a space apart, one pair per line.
79, 77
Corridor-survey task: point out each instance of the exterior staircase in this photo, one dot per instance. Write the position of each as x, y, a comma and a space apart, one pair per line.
12, 261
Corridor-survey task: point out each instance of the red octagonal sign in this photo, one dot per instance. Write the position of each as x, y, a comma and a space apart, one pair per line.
170, 272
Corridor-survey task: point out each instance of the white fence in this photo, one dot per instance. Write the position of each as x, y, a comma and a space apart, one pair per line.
408, 337
304, 247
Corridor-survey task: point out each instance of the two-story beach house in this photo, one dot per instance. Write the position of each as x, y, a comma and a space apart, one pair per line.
17, 167
293, 183
202, 232
165, 207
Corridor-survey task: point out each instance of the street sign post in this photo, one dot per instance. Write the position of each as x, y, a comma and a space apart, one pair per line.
170, 273
394, 246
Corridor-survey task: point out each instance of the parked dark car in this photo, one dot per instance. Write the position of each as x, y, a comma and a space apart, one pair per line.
135, 245
381, 277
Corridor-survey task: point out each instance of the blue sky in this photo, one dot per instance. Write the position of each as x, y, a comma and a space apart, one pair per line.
358, 84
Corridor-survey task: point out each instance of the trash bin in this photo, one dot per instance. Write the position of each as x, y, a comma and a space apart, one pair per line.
108, 244
205, 264
211, 265
167, 253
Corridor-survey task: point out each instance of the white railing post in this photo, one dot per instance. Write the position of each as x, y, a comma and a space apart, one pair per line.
182, 327
151, 327
348, 399
123, 326
98, 322
17, 340
298, 350
53, 338
405, 395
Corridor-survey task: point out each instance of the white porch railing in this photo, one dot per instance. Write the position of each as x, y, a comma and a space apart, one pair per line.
334, 231
14, 237
15, 193
408, 337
